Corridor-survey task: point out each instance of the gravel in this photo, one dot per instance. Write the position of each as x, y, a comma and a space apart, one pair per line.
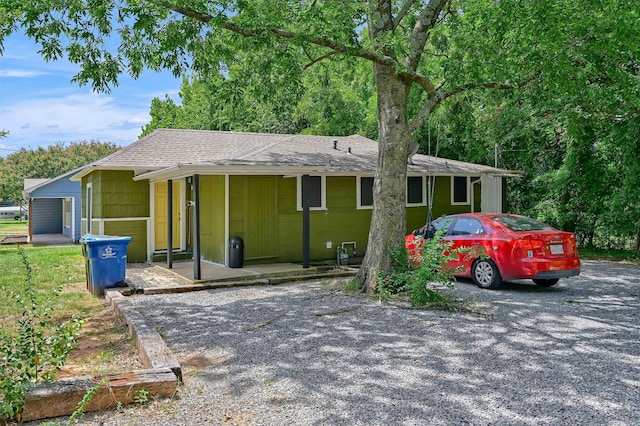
309, 354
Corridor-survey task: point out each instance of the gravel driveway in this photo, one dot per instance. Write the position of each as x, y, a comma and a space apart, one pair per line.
308, 354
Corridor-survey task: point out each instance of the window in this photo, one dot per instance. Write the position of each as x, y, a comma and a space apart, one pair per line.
88, 207
365, 192
66, 208
460, 190
467, 226
317, 193
416, 191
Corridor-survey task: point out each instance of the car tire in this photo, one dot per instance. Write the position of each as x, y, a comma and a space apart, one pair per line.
17, 217
546, 283
485, 274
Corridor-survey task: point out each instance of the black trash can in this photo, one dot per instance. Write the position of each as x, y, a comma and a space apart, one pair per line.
236, 252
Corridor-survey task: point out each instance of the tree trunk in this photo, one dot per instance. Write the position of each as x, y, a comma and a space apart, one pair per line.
388, 221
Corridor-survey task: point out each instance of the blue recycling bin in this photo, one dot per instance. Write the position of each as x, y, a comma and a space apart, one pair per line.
106, 261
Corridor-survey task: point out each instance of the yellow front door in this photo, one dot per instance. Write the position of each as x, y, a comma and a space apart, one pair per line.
160, 207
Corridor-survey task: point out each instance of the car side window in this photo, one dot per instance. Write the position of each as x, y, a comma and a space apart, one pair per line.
468, 226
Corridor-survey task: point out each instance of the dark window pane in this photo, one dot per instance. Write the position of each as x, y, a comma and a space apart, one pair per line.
366, 191
315, 191
460, 189
414, 190
468, 226
518, 223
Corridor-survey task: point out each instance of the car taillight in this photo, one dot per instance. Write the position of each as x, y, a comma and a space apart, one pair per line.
529, 248
572, 244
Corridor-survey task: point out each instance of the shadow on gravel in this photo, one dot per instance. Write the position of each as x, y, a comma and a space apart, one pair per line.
309, 354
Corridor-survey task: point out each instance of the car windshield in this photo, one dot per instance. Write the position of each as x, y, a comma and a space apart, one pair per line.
518, 223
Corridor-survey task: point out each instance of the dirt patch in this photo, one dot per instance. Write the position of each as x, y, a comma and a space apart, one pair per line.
104, 346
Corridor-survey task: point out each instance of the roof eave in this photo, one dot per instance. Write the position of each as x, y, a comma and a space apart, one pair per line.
184, 170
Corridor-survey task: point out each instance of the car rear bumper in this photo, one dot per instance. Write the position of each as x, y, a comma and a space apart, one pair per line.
546, 275
541, 269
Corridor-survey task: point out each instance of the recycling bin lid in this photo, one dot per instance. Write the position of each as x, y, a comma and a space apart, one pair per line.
103, 238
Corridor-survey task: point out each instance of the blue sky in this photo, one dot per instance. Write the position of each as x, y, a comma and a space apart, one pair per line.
40, 106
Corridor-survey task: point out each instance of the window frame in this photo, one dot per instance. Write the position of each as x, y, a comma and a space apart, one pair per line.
323, 192
89, 206
67, 210
423, 180
359, 204
467, 202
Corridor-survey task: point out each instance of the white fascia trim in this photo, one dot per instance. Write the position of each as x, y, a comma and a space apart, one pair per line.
181, 171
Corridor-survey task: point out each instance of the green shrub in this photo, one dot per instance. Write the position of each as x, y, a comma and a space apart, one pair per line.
422, 281
35, 349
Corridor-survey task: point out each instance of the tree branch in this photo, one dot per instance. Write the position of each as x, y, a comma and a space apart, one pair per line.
426, 21
336, 48
433, 101
318, 59
470, 86
403, 11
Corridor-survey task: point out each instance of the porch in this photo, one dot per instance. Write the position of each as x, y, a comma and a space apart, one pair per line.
158, 276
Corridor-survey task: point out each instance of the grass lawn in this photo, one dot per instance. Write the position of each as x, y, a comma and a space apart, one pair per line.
13, 227
52, 268
102, 336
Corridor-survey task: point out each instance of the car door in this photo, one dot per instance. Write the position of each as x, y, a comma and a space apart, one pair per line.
468, 235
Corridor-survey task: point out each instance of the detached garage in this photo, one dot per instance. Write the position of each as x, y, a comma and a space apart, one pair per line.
54, 208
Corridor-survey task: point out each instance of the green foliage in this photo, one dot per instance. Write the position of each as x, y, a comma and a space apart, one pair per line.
47, 162
141, 396
330, 98
86, 399
351, 286
422, 282
35, 350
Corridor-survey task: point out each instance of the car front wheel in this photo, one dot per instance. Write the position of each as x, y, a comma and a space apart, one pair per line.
485, 274
546, 283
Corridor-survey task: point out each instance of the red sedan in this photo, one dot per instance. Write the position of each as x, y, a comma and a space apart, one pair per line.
505, 247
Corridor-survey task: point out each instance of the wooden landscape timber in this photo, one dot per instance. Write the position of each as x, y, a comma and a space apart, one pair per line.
61, 397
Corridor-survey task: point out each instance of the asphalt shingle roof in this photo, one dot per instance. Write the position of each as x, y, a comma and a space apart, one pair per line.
166, 148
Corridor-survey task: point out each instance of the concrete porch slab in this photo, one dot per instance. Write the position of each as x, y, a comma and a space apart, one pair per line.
211, 272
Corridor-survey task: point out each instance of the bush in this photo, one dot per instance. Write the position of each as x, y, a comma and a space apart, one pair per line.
422, 281
34, 350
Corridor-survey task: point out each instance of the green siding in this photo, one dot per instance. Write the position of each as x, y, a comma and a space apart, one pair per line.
212, 220
253, 208
116, 194
417, 216
341, 222
137, 230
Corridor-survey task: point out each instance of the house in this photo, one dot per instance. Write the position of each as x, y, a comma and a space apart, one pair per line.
195, 190
54, 207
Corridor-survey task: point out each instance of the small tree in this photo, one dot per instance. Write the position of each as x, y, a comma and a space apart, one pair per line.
34, 350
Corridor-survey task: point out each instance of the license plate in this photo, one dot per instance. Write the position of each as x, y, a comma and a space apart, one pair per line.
556, 249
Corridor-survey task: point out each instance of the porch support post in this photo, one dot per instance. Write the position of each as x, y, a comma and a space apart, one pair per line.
170, 224
306, 258
197, 274
30, 220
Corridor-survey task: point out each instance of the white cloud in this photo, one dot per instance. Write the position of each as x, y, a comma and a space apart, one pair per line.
47, 120
18, 73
